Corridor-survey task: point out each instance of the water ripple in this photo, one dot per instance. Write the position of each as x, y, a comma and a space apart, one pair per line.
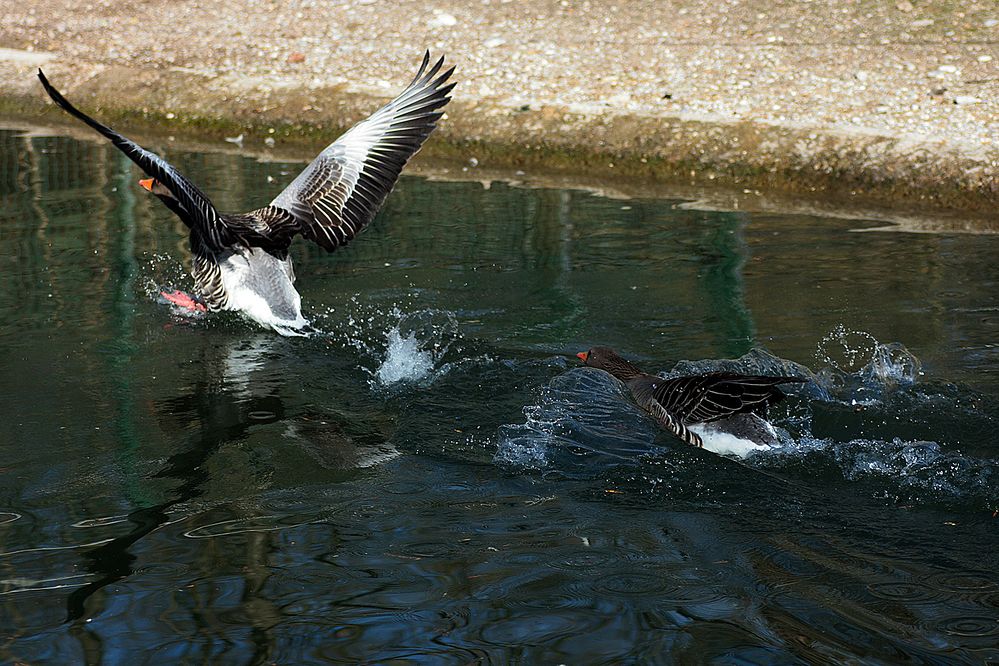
9, 517
100, 522
634, 583
905, 591
245, 525
584, 560
427, 549
970, 626
963, 581
18, 585
538, 628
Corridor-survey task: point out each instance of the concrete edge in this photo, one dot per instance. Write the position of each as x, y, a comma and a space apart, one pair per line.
901, 177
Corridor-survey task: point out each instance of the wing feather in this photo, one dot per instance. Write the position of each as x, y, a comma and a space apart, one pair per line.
703, 398
196, 210
673, 423
208, 281
338, 194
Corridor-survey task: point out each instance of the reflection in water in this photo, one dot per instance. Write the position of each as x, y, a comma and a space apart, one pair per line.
223, 403
725, 289
197, 490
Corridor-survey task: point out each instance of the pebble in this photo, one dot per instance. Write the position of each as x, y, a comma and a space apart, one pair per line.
966, 99
442, 20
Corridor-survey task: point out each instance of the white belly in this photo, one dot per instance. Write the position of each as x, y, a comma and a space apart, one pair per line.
726, 444
261, 287
739, 435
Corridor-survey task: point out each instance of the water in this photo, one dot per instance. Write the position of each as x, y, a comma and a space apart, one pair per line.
433, 478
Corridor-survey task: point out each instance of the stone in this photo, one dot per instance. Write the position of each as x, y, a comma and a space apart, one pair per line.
442, 20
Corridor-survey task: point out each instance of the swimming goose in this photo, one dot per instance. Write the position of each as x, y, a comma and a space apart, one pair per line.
724, 408
241, 260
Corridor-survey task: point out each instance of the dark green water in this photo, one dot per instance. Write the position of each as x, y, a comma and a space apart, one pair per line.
433, 479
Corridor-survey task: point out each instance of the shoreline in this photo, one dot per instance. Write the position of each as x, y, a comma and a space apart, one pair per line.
905, 176
871, 215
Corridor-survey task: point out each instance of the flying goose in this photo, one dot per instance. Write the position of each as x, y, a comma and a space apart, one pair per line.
725, 408
241, 260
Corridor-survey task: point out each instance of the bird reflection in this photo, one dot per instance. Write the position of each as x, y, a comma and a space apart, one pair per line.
236, 390
222, 416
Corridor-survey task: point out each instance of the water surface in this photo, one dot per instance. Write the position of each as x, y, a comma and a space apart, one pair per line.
433, 478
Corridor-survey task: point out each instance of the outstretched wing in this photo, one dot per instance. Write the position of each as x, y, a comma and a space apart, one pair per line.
339, 193
714, 396
198, 208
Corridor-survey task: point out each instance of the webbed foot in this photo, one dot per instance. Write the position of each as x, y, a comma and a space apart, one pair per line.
182, 300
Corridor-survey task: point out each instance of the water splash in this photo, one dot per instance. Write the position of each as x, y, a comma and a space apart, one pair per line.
861, 370
163, 273
902, 472
405, 360
846, 350
402, 347
892, 364
526, 445
868, 391
568, 426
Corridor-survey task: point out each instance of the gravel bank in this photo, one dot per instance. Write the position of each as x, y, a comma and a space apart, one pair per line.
877, 103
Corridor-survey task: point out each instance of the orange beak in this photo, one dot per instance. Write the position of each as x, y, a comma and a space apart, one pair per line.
147, 183
583, 356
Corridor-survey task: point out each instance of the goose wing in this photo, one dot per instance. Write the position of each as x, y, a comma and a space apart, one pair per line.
672, 423
703, 398
191, 205
338, 194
